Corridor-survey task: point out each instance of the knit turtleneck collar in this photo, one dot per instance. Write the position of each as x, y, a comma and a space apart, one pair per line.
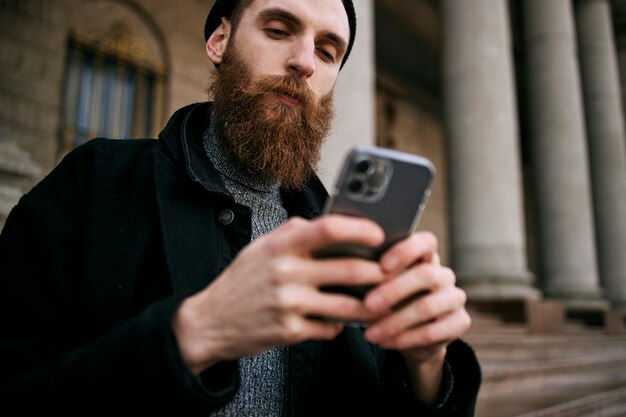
233, 169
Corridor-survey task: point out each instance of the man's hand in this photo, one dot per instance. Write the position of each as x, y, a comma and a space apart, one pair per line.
419, 309
270, 294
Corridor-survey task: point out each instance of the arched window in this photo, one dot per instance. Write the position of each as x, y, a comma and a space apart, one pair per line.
113, 85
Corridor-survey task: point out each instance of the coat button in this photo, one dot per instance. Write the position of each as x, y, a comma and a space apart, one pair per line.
226, 217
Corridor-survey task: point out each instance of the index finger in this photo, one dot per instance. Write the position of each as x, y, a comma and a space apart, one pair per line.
420, 246
334, 228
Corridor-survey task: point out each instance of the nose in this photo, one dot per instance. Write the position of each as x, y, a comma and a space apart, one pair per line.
301, 61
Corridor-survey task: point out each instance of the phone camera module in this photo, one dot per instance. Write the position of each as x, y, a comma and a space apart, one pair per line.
370, 177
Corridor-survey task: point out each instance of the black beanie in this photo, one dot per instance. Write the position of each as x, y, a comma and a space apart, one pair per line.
224, 8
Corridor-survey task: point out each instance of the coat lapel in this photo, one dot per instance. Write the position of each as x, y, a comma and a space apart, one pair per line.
188, 243
195, 245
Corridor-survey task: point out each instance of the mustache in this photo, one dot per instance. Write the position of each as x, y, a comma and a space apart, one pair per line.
282, 85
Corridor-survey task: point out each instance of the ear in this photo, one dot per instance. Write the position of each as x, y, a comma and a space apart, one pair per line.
217, 42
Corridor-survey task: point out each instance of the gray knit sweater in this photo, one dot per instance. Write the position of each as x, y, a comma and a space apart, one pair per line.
263, 377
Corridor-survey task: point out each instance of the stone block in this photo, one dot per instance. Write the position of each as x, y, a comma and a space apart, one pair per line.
545, 316
615, 321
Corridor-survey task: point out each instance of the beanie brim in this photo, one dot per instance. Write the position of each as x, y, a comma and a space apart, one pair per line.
224, 8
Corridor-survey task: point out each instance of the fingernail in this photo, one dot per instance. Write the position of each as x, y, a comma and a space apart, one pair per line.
375, 303
390, 263
373, 334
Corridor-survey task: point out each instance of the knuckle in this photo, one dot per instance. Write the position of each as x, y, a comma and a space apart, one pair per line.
282, 300
389, 330
462, 295
327, 228
429, 273
282, 270
348, 306
466, 320
449, 275
430, 238
428, 308
273, 247
287, 302
295, 222
354, 268
331, 332
438, 276
293, 329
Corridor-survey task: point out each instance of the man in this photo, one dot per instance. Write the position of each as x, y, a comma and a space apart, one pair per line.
175, 277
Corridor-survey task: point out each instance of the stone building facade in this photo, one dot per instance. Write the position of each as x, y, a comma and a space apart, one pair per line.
544, 150
518, 104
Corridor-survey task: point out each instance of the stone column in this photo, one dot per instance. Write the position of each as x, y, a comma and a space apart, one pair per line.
607, 142
559, 151
488, 249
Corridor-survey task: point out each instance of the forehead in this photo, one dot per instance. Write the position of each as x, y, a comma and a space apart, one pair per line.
322, 15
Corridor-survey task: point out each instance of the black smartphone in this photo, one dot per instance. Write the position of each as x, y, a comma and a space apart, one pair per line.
387, 186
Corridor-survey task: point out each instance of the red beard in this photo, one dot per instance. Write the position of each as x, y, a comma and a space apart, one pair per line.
273, 125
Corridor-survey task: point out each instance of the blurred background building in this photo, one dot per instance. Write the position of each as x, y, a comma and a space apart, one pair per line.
519, 104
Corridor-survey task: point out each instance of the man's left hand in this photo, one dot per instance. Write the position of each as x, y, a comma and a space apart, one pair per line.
419, 310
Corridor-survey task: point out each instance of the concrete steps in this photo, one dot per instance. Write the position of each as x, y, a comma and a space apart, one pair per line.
580, 372
610, 403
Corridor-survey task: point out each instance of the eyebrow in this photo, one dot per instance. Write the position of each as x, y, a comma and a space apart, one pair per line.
276, 13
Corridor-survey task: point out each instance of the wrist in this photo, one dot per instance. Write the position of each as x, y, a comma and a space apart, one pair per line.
195, 352
425, 377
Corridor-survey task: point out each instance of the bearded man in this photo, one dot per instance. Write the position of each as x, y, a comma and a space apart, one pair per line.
175, 277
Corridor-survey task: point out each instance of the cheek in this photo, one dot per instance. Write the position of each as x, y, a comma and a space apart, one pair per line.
259, 57
323, 84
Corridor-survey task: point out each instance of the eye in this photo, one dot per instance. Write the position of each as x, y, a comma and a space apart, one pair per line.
276, 33
326, 55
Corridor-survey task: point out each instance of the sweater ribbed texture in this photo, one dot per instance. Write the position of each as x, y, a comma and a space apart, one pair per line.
263, 377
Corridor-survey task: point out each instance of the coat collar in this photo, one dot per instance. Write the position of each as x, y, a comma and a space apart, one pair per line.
182, 137
189, 188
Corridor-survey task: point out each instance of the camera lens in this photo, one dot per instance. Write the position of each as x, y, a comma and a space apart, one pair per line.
356, 186
362, 166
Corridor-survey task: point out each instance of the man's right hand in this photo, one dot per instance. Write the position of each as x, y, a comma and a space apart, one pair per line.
270, 294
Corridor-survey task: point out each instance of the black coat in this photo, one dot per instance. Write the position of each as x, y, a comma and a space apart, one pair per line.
95, 259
